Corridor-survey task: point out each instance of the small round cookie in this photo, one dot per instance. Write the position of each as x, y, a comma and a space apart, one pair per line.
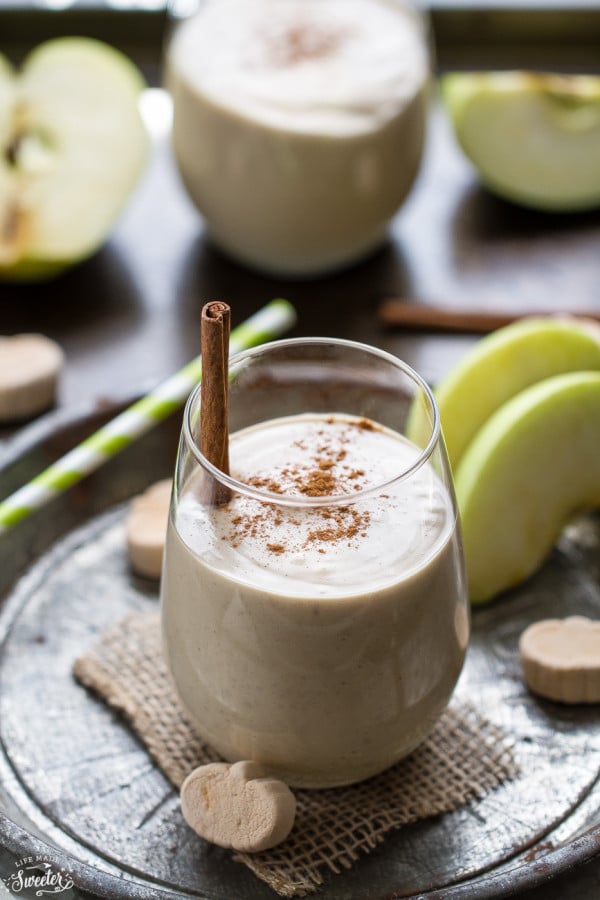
235, 805
30, 365
146, 529
561, 659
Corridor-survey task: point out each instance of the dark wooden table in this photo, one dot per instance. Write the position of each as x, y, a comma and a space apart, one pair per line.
129, 317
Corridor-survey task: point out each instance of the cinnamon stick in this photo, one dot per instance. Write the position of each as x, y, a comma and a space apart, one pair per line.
397, 313
214, 391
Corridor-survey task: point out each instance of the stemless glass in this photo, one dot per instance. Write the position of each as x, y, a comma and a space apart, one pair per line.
298, 125
317, 620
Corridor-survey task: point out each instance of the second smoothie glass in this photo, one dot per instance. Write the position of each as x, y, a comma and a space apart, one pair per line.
329, 660
298, 125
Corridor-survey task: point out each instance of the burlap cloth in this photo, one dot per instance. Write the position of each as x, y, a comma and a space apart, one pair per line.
462, 760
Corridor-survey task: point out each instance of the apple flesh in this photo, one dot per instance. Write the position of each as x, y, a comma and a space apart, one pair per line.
504, 363
533, 137
72, 146
533, 466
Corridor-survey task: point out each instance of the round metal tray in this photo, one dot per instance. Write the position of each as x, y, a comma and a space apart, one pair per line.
77, 789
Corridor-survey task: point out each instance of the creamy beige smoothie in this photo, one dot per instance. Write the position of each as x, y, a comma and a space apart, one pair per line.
299, 124
324, 640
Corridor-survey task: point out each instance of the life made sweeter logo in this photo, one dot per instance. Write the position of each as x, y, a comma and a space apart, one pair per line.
36, 876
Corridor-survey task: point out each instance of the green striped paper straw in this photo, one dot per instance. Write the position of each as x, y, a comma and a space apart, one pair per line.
269, 322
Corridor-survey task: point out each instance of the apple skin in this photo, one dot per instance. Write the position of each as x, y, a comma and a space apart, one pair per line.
30, 270
533, 137
504, 363
533, 466
74, 145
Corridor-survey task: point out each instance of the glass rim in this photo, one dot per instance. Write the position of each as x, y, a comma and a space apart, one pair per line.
264, 496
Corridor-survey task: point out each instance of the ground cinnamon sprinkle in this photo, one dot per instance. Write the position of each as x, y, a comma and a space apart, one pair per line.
318, 484
265, 484
305, 41
324, 474
347, 523
276, 548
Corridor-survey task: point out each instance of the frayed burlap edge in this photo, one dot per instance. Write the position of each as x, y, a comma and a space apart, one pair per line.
463, 759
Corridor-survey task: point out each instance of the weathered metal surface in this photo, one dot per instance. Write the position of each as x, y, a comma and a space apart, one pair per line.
72, 774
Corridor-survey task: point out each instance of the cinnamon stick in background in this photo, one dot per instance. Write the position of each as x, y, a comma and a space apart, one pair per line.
397, 313
214, 390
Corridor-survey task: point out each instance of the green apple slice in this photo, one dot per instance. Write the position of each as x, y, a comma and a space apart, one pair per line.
534, 138
533, 466
72, 146
501, 365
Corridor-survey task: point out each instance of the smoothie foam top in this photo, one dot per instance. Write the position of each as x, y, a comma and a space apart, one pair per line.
334, 67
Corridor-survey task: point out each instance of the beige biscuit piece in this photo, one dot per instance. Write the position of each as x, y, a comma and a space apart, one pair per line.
237, 806
561, 659
146, 529
30, 365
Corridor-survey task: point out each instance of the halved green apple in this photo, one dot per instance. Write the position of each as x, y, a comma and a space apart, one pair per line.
501, 365
533, 137
533, 466
72, 146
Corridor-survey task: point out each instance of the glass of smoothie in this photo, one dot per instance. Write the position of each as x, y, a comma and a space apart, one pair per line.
298, 125
316, 619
